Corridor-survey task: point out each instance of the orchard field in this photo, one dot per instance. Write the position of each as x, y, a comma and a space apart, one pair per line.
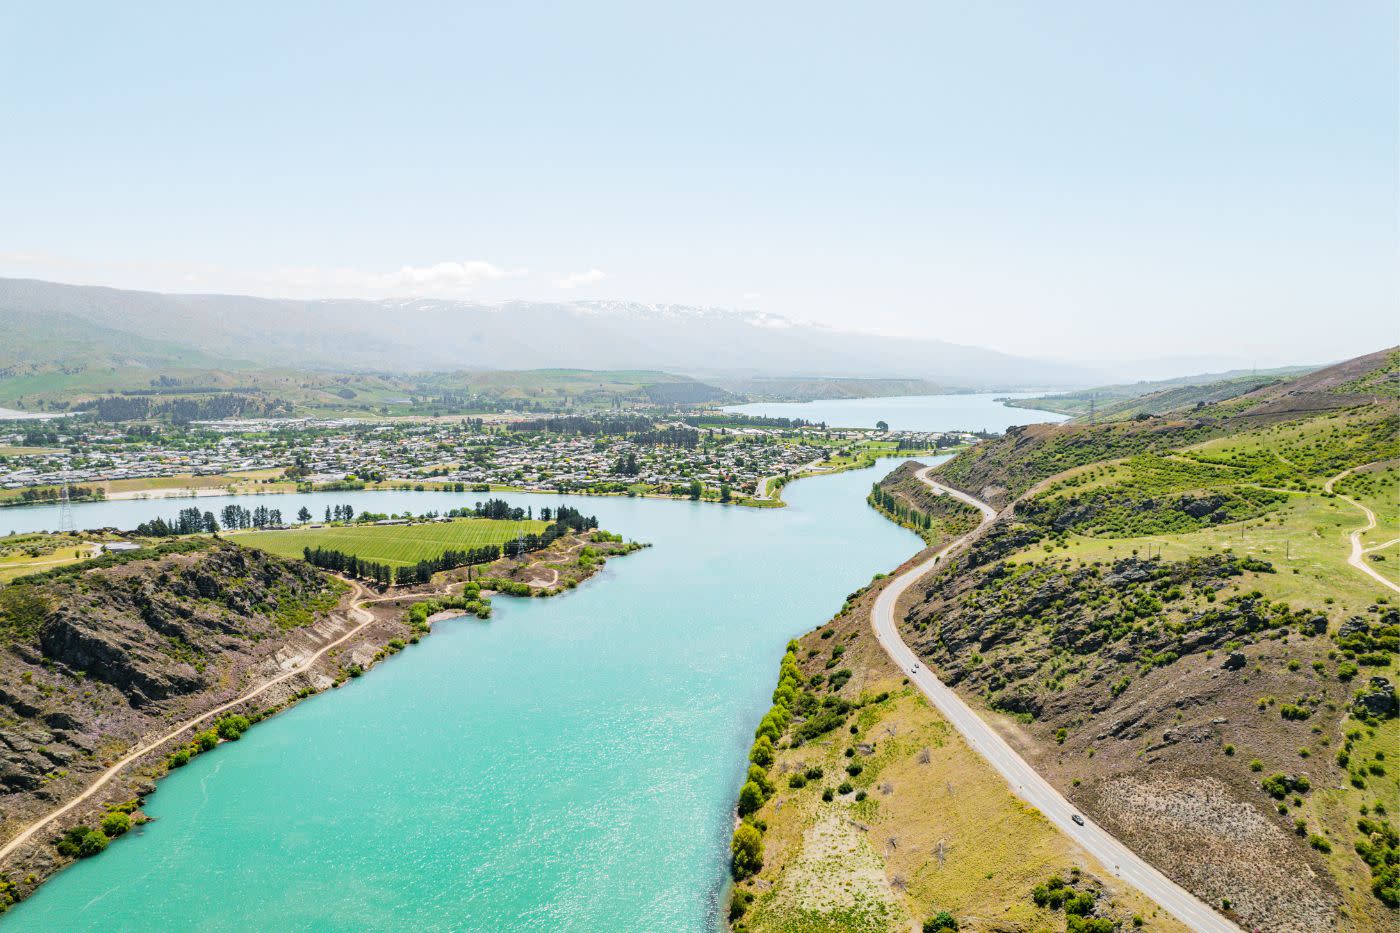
396, 545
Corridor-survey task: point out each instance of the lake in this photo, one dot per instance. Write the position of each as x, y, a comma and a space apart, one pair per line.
570, 764
972, 412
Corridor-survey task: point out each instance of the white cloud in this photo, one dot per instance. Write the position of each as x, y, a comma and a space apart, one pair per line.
441, 275
575, 279
440, 278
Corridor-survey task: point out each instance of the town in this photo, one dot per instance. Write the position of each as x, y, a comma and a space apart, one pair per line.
712, 456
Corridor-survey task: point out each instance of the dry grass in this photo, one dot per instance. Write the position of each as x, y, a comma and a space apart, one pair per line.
938, 828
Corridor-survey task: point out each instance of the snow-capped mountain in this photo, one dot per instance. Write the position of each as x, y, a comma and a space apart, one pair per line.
436, 334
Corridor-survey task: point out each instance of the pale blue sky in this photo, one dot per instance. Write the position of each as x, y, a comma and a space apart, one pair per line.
1107, 179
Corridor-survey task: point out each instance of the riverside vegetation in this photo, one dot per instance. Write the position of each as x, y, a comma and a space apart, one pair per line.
98, 656
1162, 620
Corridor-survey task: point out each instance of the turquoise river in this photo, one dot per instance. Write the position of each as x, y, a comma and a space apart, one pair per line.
570, 764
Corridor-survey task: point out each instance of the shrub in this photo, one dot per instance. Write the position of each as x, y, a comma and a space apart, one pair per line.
114, 824
739, 903
1076, 924
1079, 903
1319, 843
206, 740
760, 777
232, 727
68, 844
93, 843
797, 782
746, 850
750, 798
828, 794
939, 922
1279, 785
845, 787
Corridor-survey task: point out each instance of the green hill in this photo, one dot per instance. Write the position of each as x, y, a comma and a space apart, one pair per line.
1165, 619
1117, 402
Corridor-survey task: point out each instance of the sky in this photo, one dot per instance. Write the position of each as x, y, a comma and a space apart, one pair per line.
1082, 180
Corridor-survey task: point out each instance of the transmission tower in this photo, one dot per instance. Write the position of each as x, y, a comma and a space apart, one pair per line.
65, 510
1093, 410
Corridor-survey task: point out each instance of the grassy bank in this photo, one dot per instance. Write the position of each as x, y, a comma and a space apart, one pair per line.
865, 811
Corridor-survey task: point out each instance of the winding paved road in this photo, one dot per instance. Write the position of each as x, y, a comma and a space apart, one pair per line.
356, 609
1358, 553
1025, 782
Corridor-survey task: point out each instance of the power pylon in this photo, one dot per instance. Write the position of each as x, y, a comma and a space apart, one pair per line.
65, 511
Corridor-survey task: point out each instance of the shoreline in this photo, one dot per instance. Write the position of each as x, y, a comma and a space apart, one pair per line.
335, 657
771, 499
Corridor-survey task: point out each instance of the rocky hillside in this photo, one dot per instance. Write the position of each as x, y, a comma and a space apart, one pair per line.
99, 659
1164, 621
96, 656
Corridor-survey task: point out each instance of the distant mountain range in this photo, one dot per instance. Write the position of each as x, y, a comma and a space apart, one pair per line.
71, 325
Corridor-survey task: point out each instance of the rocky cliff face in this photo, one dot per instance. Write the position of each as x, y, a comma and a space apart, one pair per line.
150, 631
91, 661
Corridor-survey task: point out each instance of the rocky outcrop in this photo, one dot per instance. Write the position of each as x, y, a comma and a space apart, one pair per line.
1377, 699
91, 661
150, 634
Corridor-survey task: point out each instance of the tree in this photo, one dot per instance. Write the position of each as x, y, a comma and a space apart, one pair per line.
304, 515
881, 426
92, 843
696, 489
939, 922
232, 727
762, 752
750, 798
724, 492
115, 823
747, 851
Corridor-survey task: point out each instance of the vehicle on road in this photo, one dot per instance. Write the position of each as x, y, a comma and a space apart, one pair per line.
1078, 819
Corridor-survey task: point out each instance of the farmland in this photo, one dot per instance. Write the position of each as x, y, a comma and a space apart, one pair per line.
396, 545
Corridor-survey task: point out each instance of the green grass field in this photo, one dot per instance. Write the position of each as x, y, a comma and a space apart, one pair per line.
1304, 535
396, 545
